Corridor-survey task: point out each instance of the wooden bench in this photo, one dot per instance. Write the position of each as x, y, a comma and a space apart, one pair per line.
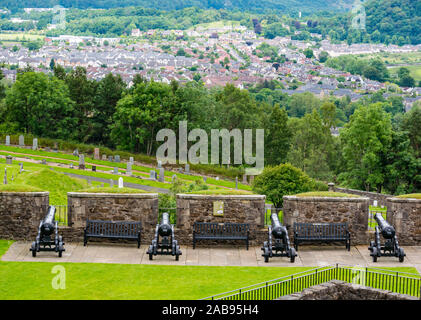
220, 231
112, 230
321, 232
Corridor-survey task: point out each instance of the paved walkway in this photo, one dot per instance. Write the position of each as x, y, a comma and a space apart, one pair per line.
212, 256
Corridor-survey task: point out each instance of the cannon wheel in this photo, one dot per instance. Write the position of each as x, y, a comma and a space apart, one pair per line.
401, 255
374, 253
292, 255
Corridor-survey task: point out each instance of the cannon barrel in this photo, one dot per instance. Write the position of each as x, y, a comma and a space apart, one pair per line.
278, 230
48, 223
388, 232
164, 228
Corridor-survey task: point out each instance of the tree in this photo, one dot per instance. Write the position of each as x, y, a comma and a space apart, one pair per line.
40, 105
365, 142
109, 92
52, 64
141, 114
276, 182
278, 137
82, 92
308, 53
411, 123
311, 145
323, 56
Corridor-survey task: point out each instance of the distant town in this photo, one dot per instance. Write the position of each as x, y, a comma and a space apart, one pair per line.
215, 56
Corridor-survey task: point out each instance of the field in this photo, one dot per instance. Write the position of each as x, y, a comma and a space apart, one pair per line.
20, 36
395, 58
414, 71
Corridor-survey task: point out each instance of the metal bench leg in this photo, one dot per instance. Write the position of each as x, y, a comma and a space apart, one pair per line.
247, 243
194, 243
138, 241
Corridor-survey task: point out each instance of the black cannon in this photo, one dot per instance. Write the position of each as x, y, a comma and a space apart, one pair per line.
44, 241
391, 246
278, 241
168, 245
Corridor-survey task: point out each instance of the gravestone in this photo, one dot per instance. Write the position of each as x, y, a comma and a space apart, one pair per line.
47, 149
120, 182
55, 147
236, 183
159, 164
375, 203
7, 140
76, 153
174, 177
129, 169
217, 178
81, 162
96, 153
35, 144
187, 168
9, 159
71, 166
152, 174
21, 141
161, 175
115, 170
111, 183
131, 160
20, 167
204, 179
5, 176
244, 178
43, 161
117, 158
94, 168
110, 158
104, 157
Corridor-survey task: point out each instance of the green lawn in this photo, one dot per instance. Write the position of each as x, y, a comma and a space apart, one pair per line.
32, 280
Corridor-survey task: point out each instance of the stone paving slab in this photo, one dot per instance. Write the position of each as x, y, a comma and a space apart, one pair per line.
212, 256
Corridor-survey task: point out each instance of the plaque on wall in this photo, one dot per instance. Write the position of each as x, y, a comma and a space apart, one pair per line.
218, 208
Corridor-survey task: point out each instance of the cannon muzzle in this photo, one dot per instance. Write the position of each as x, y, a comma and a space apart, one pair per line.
48, 223
278, 230
387, 231
164, 228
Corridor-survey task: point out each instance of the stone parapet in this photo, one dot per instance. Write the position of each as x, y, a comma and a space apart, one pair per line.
353, 211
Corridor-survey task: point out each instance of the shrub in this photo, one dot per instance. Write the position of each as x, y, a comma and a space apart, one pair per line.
284, 179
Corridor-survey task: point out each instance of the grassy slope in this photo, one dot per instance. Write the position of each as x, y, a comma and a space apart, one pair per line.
326, 194
68, 158
411, 196
37, 177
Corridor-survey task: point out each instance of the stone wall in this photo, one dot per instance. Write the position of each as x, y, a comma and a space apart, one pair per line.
114, 207
340, 290
20, 214
354, 211
373, 196
237, 208
405, 215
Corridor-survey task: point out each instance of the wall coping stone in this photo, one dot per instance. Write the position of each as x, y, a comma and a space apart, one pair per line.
26, 194
403, 200
326, 199
224, 197
113, 195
